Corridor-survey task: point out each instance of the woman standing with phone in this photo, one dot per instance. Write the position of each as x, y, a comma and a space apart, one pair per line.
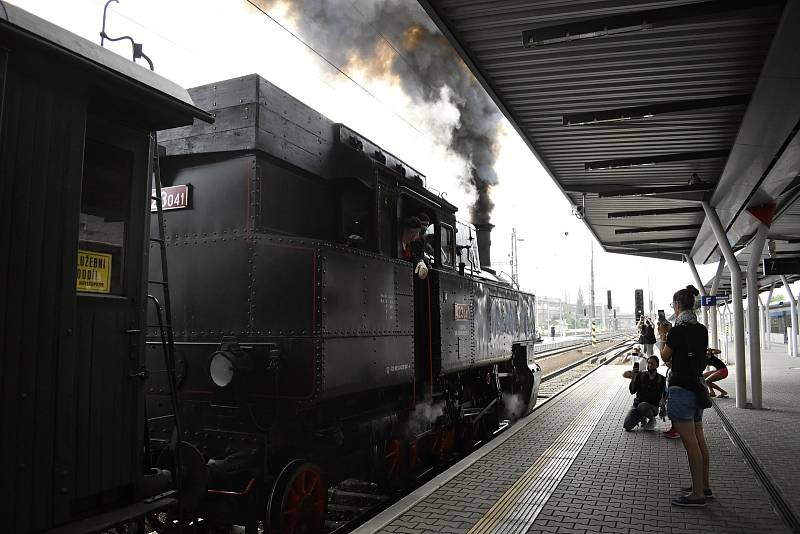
685, 346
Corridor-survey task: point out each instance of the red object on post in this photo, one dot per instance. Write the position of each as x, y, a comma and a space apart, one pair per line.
764, 213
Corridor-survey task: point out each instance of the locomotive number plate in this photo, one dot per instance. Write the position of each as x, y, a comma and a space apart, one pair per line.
175, 197
461, 312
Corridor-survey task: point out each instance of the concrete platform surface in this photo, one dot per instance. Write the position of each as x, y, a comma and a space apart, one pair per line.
773, 433
570, 468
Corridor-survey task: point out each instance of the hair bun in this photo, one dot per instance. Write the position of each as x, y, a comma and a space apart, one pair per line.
693, 290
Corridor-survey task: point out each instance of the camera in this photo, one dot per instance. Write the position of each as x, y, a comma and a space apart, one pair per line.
635, 366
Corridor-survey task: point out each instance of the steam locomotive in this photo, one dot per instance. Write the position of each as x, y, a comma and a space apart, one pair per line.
307, 350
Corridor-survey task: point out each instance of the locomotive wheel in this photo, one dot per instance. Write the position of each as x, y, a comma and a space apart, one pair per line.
413, 455
466, 436
443, 443
300, 500
488, 424
394, 460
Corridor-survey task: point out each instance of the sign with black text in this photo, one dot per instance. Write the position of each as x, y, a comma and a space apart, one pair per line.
94, 272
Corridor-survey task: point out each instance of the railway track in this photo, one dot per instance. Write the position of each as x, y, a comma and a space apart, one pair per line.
577, 344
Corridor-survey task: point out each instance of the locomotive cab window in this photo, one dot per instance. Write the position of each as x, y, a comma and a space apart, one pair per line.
105, 210
447, 245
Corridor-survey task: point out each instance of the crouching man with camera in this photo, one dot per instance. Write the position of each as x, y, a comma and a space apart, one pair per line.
648, 386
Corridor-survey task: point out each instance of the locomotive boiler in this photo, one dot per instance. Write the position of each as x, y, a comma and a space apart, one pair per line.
307, 350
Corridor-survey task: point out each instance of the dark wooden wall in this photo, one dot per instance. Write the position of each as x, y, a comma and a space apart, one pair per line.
40, 169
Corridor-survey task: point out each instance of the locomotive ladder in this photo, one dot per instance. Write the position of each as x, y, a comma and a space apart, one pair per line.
164, 312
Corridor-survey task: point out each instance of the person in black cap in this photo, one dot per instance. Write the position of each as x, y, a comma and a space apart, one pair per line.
426, 236
413, 249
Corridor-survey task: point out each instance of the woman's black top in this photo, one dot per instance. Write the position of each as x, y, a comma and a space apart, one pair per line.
642, 334
688, 343
716, 363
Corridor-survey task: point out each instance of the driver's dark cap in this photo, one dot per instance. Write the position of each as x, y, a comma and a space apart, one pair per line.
412, 223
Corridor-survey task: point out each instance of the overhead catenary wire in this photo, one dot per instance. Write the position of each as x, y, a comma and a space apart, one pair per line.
333, 65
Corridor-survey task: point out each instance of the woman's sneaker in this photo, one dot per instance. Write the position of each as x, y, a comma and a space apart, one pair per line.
707, 493
671, 434
691, 502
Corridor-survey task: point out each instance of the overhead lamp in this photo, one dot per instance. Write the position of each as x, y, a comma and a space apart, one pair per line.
636, 21
658, 211
530, 39
646, 229
649, 111
644, 161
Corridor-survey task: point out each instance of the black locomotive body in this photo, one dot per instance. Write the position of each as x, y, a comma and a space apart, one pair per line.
76, 134
306, 348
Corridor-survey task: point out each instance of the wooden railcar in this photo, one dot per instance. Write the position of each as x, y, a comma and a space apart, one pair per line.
75, 146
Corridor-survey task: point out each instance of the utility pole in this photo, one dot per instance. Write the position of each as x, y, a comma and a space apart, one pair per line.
591, 267
515, 257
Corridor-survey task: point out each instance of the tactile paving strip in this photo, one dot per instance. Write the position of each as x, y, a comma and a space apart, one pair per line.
519, 506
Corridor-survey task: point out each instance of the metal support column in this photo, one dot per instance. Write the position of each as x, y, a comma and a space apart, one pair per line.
725, 320
767, 321
793, 307
714, 289
700, 286
762, 335
756, 250
736, 302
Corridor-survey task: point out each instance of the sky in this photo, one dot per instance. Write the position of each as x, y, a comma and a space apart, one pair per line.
202, 41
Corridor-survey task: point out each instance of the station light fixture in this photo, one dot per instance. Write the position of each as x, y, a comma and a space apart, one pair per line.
638, 161
655, 211
636, 21
654, 241
645, 229
650, 110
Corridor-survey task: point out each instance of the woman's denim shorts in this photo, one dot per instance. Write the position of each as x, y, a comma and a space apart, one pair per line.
682, 405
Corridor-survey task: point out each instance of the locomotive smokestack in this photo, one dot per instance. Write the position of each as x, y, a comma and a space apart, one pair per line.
484, 231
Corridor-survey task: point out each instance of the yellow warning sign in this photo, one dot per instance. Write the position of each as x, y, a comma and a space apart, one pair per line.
94, 272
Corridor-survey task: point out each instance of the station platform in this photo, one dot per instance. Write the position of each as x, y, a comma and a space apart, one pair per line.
569, 467
772, 434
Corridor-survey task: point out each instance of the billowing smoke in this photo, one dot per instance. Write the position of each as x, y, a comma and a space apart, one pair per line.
514, 405
394, 40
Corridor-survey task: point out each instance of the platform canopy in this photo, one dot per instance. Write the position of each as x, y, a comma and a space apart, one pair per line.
640, 110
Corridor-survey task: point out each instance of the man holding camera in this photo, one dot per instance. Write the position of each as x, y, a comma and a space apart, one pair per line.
648, 386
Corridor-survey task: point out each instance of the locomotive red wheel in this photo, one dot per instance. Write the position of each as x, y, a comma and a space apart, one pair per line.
304, 501
443, 442
413, 455
394, 460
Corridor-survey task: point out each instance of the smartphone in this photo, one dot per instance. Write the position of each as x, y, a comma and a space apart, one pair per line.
635, 366
661, 317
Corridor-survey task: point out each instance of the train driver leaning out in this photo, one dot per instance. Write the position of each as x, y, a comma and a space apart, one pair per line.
413, 247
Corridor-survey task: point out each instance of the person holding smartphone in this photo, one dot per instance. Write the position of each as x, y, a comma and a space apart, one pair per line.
685, 345
648, 386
